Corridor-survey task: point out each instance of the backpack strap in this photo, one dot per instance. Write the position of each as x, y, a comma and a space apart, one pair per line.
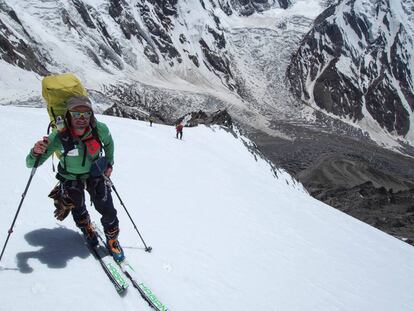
65, 136
48, 132
49, 127
68, 141
95, 133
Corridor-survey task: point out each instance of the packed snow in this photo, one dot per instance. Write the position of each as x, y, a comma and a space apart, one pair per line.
228, 232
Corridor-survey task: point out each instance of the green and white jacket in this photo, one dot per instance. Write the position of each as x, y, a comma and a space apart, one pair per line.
71, 166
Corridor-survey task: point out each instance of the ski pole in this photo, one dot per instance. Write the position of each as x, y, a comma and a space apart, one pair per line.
147, 248
32, 173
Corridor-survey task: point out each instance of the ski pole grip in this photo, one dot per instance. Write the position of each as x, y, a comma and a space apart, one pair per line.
36, 164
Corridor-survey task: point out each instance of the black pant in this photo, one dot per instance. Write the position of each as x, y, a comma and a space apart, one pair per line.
101, 197
180, 133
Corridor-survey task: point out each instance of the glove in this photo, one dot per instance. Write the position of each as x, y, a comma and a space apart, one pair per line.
62, 202
63, 208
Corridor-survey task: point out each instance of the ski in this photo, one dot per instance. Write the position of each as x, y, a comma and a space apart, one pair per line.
142, 288
130, 273
111, 270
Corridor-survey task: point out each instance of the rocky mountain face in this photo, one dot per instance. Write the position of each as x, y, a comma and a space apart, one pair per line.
149, 27
114, 35
350, 173
357, 62
142, 44
16, 48
248, 7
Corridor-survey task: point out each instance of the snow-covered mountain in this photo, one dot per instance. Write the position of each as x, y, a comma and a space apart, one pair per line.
173, 57
228, 231
357, 62
167, 57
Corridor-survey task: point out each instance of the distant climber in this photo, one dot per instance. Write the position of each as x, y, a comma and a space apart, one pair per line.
179, 128
151, 119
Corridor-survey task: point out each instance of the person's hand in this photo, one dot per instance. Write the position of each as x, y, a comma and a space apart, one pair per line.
108, 171
41, 146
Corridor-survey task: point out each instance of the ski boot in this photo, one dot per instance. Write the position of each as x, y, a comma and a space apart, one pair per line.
115, 250
113, 244
90, 235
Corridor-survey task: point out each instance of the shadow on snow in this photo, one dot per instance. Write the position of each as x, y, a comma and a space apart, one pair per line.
59, 245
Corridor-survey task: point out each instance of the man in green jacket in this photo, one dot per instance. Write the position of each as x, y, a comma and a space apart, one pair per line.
81, 166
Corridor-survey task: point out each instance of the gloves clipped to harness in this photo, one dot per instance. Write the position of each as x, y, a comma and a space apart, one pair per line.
62, 202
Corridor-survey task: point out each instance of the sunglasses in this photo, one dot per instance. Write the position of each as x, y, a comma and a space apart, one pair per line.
78, 115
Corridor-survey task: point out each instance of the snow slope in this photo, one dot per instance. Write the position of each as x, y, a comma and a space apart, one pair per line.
226, 233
